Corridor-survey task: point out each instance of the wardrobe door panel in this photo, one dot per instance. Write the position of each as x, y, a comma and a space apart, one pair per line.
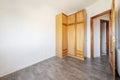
80, 40
71, 39
64, 40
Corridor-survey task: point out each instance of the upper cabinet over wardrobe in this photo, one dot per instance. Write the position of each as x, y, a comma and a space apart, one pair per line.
71, 19
80, 16
64, 19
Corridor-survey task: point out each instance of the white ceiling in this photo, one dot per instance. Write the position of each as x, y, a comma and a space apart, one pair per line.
70, 6
65, 6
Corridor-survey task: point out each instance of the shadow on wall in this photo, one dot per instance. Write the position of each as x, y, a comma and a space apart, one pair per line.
118, 64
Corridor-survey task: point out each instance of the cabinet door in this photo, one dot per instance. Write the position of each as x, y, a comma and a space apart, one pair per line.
71, 19
64, 19
71, 39
80, 40
80, 16
64, 40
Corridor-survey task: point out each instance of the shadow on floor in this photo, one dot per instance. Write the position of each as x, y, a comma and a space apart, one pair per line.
117, 76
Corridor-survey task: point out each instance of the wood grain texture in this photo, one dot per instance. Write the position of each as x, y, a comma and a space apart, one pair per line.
105, 12
64, 37
64, 19
80, 40
64, 40
112, 47
80, 31
71, 39
80, 16
67, 68
71, 19
61, 35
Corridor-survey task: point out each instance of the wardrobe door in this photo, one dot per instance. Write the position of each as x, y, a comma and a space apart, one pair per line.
80, 40
59, 35
64, 40
71, 40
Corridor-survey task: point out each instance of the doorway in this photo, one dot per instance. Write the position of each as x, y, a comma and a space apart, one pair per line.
112, 40
104, 37
93, 34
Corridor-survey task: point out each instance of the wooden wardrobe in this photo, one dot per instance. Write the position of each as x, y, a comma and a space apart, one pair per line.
70, 30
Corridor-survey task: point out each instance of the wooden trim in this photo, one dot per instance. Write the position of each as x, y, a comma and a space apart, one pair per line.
101, 37
64, 49
75, 23
92, 39
64, 14
113, 54
79, 22
105, 12
75, 34
92, 30
76, 57
107, 37
80, 11
64, 24
71, 14
77, 12
71, 24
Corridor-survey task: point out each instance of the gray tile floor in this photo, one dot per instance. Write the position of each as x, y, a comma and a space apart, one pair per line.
65, 69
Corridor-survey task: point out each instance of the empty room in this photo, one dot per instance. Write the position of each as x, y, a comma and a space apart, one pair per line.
59, 40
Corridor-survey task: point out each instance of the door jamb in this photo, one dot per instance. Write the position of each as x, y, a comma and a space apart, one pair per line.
107, 36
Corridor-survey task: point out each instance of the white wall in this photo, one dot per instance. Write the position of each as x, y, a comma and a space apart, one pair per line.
96, 25
117, 24
117, 10
27, 34
93, 10
103, 38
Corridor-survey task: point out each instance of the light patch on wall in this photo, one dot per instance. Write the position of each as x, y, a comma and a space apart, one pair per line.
27, 34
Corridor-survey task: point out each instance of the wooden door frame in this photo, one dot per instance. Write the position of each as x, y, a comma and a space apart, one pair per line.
92, 30
107, 36
113, 41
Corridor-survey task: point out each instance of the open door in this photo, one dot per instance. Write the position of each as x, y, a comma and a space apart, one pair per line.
112, 42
